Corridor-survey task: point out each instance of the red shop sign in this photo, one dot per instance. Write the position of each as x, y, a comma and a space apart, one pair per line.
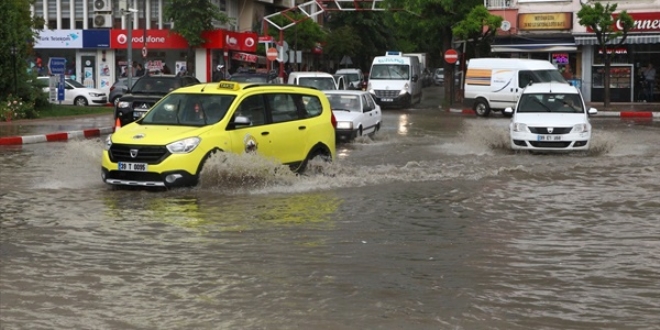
245, 57
642, 22
241, 41
156, 39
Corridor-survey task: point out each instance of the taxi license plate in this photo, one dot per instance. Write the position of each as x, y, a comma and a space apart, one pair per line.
133, 167
548, 138
387, 100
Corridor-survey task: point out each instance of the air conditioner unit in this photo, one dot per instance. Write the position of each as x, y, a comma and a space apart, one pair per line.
102, 5
102, 20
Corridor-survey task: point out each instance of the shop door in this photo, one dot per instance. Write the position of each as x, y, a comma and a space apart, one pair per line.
88, 70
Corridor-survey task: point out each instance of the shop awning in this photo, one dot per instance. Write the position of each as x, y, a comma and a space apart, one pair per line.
523, 44
631, 39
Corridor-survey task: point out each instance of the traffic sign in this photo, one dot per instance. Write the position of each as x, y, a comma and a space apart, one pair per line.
57, 65
144, 52
271, 54
451, 56
265, 39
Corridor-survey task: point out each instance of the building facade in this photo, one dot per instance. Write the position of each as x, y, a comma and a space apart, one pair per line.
92, 35
550, 30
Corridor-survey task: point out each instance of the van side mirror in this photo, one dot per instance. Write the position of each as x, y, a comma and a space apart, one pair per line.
592, 111
415, 78
508, 111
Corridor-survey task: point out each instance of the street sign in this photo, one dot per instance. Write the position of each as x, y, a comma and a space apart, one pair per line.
144, 51
265, 39
271, 54
57, 65
451, 56
60, 88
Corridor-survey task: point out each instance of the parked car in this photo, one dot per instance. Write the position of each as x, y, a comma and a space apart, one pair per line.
119, 88
76, 93
146, 91
353, 77
439, 76
356, 112
170, 144
318, 80
255, 77
550, 117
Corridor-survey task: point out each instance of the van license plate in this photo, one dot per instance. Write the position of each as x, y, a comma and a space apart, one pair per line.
548, 138
387, 100
133, 167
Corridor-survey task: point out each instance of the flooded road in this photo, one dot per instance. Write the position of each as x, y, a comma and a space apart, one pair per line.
434, 224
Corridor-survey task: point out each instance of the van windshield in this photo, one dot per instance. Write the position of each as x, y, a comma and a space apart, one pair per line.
390, 72
550, 102
321, 83
549, 76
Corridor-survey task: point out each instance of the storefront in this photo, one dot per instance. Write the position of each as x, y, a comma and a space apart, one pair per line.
543, 36
640, 48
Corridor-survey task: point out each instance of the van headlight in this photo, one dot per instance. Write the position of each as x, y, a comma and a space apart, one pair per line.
123, 104
108, 142
581, 128
405, 89
519, 127
184, 146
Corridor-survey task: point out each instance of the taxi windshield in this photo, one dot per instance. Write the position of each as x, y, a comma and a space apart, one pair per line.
189, 110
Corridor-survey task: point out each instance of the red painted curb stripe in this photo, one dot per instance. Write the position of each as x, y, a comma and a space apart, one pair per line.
57, 137
468, 112
92, 133
12, 140
636, 114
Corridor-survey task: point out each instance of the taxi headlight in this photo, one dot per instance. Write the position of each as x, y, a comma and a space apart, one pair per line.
580, 128
519, 127
344, 125
184, 146
123, 104
108, 142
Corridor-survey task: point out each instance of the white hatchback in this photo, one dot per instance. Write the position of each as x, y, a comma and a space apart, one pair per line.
356, 112
550, 117
76, 93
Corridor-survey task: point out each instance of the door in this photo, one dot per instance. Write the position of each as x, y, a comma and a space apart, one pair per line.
287, 132
88, 70
369, 111
255, 137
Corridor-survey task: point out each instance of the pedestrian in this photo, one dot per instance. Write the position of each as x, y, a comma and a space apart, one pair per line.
166, 69
218, 74
140, 70
649, 80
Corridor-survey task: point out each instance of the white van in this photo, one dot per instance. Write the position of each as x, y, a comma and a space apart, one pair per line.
319, 80
394, 80
494, 84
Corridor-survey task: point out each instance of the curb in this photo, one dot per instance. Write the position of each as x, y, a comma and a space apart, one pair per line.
620, 114
55, 137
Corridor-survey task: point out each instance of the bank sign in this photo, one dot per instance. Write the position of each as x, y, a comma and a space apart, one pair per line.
59, 39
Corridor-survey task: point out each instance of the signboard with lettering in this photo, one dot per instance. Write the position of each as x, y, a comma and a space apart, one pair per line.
642, 22
59, 39
545, 21
156, 39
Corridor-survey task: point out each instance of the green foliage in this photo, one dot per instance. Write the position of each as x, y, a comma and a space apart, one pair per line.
599, 19
13, 108
17, 31
302, 35
342, 41
479, 26
192, 17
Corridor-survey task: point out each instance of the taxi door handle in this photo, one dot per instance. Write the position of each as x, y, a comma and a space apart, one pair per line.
302, 127
265, 133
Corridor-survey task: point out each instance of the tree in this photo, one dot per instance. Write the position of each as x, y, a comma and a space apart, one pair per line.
191, 18
342, 42
599, 19
478, 29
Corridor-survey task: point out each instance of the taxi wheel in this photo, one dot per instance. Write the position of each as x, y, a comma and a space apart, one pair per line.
481, 108
320, 154
201, 164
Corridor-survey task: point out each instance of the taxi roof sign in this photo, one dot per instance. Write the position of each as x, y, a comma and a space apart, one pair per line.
229, 85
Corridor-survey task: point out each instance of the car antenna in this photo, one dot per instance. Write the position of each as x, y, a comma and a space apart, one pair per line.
203, 87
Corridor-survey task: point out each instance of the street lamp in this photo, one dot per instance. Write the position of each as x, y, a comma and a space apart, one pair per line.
128, 12
13, 60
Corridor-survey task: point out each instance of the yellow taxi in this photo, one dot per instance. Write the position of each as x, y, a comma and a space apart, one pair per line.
168, 146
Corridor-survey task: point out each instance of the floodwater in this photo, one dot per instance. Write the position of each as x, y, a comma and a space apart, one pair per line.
433, 224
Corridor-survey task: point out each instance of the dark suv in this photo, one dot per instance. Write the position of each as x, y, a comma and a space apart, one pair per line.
145, 93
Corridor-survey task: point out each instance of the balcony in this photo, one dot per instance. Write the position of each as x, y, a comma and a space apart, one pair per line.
498, 4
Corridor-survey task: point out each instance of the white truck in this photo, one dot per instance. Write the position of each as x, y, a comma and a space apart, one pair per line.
422, 59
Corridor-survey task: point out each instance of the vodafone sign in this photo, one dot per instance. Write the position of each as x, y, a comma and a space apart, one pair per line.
241, 41
156, 39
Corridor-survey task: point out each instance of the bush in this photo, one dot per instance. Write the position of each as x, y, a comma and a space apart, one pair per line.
13, 107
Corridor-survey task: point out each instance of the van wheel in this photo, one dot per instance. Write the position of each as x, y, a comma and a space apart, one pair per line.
481, 108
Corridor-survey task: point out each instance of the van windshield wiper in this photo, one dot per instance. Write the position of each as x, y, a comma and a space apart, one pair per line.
547, 108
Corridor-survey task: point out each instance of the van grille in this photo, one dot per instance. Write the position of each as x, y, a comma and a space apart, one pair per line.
387, 93
555, 130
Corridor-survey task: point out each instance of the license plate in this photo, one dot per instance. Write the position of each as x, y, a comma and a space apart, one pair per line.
133, 167
138, 114
387, 100
548, 138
